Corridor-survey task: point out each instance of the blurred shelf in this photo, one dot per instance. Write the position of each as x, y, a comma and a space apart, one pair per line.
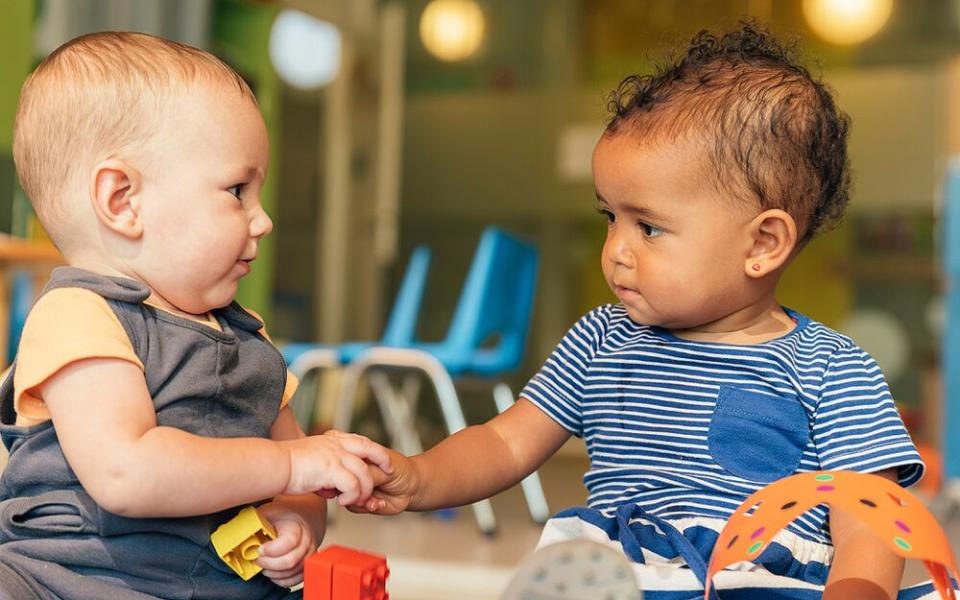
18, 250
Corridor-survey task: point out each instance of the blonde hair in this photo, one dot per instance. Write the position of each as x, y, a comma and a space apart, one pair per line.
96, 96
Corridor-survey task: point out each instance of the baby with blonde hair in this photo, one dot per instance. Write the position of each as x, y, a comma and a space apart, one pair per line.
145, 405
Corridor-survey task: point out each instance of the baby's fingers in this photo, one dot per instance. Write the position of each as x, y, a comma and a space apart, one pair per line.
275, 548
366, 449
361, 471
282, 558
346, 482
289, 538
379, 476
373, 505
286, 579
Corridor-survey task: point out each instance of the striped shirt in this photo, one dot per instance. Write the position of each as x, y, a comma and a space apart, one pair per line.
688, 429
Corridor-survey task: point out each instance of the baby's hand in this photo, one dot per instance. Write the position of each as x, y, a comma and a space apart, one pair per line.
282, 558
393, 491
335, 463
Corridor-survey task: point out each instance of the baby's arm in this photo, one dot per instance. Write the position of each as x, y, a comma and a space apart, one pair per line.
472, 464
863, 565
106, 424
300, 521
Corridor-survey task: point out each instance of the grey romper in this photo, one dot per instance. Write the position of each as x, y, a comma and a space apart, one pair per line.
55, 542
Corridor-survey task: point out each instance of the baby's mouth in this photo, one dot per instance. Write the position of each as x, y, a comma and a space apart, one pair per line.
626, 294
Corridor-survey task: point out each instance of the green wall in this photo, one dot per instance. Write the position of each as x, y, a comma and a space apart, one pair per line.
16, 29
241, 31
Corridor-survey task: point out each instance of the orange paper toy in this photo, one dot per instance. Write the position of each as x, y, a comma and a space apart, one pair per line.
893, 513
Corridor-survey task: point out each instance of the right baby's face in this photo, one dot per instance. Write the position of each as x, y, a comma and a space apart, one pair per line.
201, 203
675, 246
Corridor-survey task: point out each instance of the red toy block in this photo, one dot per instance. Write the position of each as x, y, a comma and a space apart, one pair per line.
339, 573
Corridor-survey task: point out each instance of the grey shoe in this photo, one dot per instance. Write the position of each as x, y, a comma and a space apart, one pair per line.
574, 570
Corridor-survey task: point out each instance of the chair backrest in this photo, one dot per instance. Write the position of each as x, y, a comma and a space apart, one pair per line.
496, 302
402, 323
22, 296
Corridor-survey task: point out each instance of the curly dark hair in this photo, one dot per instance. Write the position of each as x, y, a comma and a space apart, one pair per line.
773, 132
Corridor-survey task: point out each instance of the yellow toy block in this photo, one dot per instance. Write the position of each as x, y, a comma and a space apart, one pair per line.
238, 541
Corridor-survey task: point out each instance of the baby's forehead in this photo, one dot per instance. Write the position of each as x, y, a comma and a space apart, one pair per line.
690, 149
652, 162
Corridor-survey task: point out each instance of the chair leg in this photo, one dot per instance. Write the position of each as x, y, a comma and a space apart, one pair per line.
446, 394
396, 414
410, 391
383, 394
405, 404
343, 412
532, 489
312, 360
305, 406
453, 415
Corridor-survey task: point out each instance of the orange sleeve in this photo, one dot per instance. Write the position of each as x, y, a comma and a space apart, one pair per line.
290, 389
65, 326
292, 381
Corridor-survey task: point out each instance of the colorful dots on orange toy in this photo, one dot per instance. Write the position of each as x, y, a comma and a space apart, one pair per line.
894, 514
339, 573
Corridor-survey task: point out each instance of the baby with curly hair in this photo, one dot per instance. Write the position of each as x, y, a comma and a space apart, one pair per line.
698, 387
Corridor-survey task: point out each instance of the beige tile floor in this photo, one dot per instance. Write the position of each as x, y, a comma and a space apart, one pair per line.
433, 558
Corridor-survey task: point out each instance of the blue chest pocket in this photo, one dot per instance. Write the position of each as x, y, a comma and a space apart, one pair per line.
758, 437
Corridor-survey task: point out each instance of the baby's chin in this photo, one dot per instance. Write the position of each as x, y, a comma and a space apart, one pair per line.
651, 319
643, 317
201, 305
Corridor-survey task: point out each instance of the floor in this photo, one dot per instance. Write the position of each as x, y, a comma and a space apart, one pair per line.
442, 556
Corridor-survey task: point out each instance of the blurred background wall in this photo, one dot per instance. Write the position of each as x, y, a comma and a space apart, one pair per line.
403, 144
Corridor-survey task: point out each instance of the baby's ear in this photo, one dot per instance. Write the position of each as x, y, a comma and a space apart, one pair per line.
774, 238
114, 189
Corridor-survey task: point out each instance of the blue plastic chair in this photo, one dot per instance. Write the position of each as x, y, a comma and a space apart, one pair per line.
399, 331
22, 297
401, 326
486, 339
949, 502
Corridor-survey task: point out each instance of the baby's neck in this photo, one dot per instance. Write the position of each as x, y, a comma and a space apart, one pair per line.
753, 324
105, 267
95, 264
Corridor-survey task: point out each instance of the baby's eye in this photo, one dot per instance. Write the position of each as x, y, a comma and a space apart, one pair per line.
236, 190
606, 213
649, 230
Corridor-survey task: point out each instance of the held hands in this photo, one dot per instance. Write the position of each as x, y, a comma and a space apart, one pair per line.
394, 491
336, 464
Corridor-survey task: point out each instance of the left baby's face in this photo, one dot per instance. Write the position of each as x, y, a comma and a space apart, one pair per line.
201, 205
675, 246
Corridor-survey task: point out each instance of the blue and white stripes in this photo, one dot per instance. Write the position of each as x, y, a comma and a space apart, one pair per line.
690, 429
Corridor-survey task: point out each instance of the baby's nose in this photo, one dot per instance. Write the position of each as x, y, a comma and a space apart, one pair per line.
261, 224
